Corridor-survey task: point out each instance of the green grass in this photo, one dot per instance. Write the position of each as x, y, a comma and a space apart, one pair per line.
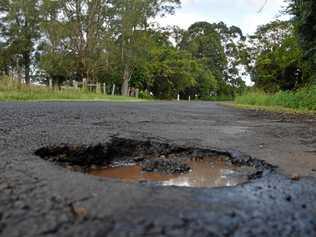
11, 90
300, 100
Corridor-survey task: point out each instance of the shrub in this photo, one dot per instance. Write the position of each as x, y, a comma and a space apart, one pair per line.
302, 99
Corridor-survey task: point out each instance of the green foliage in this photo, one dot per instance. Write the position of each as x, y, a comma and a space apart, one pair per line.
305, 20
117, 42
206, 83
279, 68
145, 95
302, 99
171, 71
233, 41
19, 22
204, 43
130, 23
275, 58
220, 49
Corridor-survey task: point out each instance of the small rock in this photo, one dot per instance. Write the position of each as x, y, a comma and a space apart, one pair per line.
295, 177
78, 212
288, 198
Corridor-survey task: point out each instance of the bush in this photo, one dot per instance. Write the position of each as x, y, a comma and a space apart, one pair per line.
302, 99
145, 95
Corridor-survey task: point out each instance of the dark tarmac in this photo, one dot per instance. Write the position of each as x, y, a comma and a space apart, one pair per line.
39, 198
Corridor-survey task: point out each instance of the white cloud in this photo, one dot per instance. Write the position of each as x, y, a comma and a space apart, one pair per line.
242, 13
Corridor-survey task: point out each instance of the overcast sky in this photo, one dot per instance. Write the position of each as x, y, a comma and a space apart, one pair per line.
242, 13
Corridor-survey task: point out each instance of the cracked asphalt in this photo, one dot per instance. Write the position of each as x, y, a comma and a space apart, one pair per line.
39, 198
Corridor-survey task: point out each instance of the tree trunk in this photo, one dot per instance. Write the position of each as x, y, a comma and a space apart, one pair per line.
126, 76
27, 64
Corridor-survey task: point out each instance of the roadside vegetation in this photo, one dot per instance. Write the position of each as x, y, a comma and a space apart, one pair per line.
282, 61
11, 90
121, 44
302, 100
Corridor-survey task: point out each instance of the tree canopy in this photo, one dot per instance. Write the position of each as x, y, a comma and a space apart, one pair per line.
119, 42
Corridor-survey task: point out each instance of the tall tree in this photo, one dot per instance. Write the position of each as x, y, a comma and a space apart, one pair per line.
171, 71
234, 45
20, 28
204, 43
305, 19
77, 29
275, 57
131, 21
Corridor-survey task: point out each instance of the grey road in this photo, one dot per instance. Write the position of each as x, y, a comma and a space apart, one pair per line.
39, 198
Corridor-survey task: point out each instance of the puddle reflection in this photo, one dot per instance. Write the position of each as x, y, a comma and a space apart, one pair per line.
204, 173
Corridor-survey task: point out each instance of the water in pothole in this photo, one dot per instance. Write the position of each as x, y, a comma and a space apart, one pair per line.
164, 164
203, 173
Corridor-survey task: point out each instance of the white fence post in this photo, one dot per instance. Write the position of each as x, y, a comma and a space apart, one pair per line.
113, 90
50, 83
75, 84
104, 88
84, 83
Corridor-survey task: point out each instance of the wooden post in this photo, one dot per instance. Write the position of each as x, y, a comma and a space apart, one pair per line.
178, 99
113, 90
129, 91
104, 88
189, 98
98, 88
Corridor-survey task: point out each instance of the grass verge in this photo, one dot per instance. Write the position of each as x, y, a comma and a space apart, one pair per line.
11, 90
303, 101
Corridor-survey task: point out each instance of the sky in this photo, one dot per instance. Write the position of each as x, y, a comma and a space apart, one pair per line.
242, 13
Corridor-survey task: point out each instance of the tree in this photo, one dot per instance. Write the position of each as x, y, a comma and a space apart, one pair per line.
171, 71
305, 21
204, 43
130, 25
20, 28
279, 68
275, 57
77, 31
234, 45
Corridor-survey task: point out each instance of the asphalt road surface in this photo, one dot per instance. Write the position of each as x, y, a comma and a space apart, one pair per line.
39, 198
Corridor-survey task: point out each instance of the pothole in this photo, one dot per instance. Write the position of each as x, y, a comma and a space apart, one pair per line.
158, 163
